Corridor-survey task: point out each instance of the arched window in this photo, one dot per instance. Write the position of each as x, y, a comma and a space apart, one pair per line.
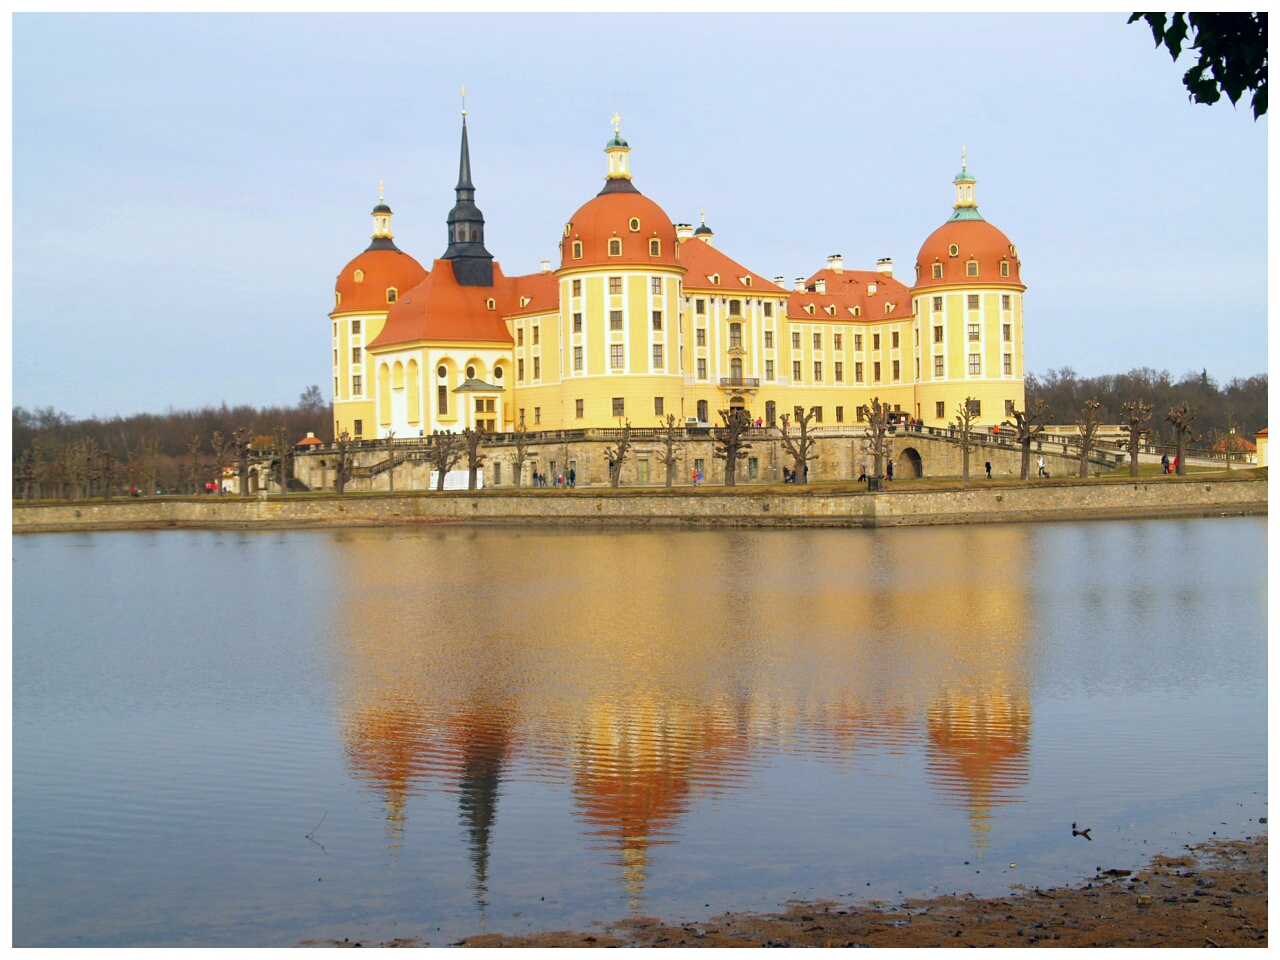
615, 247
971, 268
735, 368
735, 334
1004, 268
770, 413
735, 308
655, 247
702, 412
384, 394
391, 294
937, 271
577, 249
412, 392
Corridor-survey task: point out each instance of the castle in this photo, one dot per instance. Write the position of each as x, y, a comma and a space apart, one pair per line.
645, 318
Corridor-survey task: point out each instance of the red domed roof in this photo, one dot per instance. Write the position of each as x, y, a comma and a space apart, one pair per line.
382, 268
974, 239
609, 215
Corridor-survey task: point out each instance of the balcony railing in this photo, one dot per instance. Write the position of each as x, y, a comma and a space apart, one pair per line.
739, 381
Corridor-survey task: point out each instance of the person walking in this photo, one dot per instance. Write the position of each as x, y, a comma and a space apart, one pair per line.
1164, 463
888, 472
573, 477
1040, 464
988, 465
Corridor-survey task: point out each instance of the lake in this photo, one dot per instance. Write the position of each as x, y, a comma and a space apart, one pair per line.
258, 738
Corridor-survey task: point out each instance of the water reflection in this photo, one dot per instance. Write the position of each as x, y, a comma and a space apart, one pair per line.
646, 671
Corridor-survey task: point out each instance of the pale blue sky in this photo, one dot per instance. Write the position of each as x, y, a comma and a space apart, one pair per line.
187, 187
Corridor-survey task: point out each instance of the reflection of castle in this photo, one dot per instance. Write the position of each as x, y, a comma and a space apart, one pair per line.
690, 696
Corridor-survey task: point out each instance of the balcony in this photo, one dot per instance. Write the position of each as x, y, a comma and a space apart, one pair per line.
739, 381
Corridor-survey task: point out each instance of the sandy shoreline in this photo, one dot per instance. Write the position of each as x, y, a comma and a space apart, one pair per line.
1213, 894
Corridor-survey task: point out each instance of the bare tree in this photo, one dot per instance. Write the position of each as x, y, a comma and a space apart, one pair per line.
475, 459
1028, 424
24, 471
1088, 421
962, 426
240, 444
193, 471
103, 472
730, 440
221, 447
800, 448
391, 458
668, 457
79, 458
879, 442
522, 452
618, 453
282, 456
1136, 424
1181, 417
344, 464
446, 451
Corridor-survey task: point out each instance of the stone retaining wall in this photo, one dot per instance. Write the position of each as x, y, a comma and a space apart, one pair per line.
975, 503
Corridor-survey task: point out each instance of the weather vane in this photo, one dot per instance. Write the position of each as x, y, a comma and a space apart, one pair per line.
616, 118
379, 189
464, 101
964, 157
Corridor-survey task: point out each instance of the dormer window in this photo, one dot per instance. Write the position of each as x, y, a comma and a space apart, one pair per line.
491, 303
391, 294
634, 225
888, 308
615, 247
1004, 268
337, 299
577, 249
746, 281
715, 278
809, 309
953, 250
971, 268
871, 288
524, 301
567, 228
359, 276
937, 271
655, 247
831, 309
857, 311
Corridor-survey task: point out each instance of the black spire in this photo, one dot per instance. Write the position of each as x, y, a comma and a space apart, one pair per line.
472, 263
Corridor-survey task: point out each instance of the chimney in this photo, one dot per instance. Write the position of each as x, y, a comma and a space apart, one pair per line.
885, 265
799, 284
780, 281
546, 266
835, 263
684, 231
820, 286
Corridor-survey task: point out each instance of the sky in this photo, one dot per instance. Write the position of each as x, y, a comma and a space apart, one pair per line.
187, 187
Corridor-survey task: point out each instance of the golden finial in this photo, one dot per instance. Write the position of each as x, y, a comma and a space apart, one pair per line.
616, 118
464, 101
704, 216
964, 157
380, 190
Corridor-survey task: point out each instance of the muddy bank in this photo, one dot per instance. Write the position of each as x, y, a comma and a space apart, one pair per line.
1213, 895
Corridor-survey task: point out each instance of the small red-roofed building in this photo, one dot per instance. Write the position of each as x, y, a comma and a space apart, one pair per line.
1260, 439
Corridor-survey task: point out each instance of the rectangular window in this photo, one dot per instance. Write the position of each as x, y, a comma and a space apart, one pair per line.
519, 369
937, 304
875, 343
857, 341
479, 405
937, 334
357, 386
615, 319
335, 358
897, 369
535, 336
817, 341
817, 371
753, 467
975, 408
875, 372
857, 373
973, 333
577, 323
795, 341
839, 372
442, 399
795, 370
657, 406
937, 365
735, 335
578, 406
537, 368
839, 414
817, 414
657, 319
975, 363
355, 326
917, 368
1006, 331
768, 339
699, 306
522, 415
937, 271
577, 288
895, 339
655, 284
615, 355
1008, 364
940, 410
768, 308
519, 336
837, 341
702, 368
577, 358
657, 356
358, 428
356, 354
615, 284
1004, 301
619, 407
973, 301
701, 337
971, 269
768, 369
537, 414
861, 413
1008, 408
